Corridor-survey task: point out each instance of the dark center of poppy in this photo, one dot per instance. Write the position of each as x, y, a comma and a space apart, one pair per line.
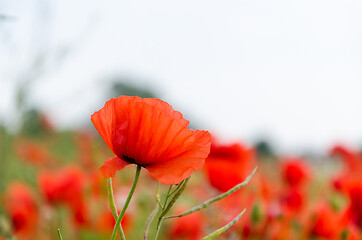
129, 160
132, 161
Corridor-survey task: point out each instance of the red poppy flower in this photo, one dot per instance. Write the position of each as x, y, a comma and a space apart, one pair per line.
84, 143
352, 159
189, 227
355, 194
295, 171
228, 165
342, 151
293, 200
354, 211
32, 152
22, 209
106, 222
148, 132
80, 213
324, 223
65, 187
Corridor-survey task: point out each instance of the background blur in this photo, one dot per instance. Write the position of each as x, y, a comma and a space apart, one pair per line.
277, 83
287, 72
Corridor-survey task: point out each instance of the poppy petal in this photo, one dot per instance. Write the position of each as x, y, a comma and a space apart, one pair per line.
112, 165
104, 121
182, 166
153, 133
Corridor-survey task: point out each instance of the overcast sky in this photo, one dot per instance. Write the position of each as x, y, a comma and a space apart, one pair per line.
289, 69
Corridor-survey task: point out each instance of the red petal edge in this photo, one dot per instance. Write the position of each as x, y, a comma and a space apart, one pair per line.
111, 166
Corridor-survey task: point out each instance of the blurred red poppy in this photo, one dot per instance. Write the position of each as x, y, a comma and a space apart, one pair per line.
22, 209
293, 200
65, 186
351, 159
354, 211
84, 143
189, 227
31, 152
105, 221
295, 171
148, 132
324, 223
228, 165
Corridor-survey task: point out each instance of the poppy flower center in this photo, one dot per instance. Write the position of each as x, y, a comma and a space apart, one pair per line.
133, 161
129, 160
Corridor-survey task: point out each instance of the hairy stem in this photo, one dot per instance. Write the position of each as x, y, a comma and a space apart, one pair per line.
224, 228
153, 213
169, 206
60, 235
217, 198
120, 217
149, 220
113, 207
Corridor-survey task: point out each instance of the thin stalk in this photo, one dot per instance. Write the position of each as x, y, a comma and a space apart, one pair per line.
174, 198
149, 220
159, 203
169, 206
177, 188
60, 235
157, 196
120, 217
153, 213
113, 207
167, 196
217, 198
224, 228
158, 228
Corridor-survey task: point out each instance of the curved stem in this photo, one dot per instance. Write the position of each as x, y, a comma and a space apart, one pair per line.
113, 207
167, 196
158, 228
153, 213
174, 198
217, 198
60, 235
120, 217
149, 220
224, 228
169, 206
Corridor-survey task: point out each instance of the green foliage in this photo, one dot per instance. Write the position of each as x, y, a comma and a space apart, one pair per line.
256, 213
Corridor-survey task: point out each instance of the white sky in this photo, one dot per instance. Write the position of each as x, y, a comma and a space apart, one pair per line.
289, 69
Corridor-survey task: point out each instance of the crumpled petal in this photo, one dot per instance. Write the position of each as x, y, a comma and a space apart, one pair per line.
182, 166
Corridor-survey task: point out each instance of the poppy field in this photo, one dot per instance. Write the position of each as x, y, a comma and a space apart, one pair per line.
140, 172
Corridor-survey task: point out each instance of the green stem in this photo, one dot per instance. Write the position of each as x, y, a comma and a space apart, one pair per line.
113, 207
60, 235
158, 228
217, 198
120, 217
224, 228
153, 213
158, 195
169, 206
167, 196
149, 220
177, 188
174, 199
